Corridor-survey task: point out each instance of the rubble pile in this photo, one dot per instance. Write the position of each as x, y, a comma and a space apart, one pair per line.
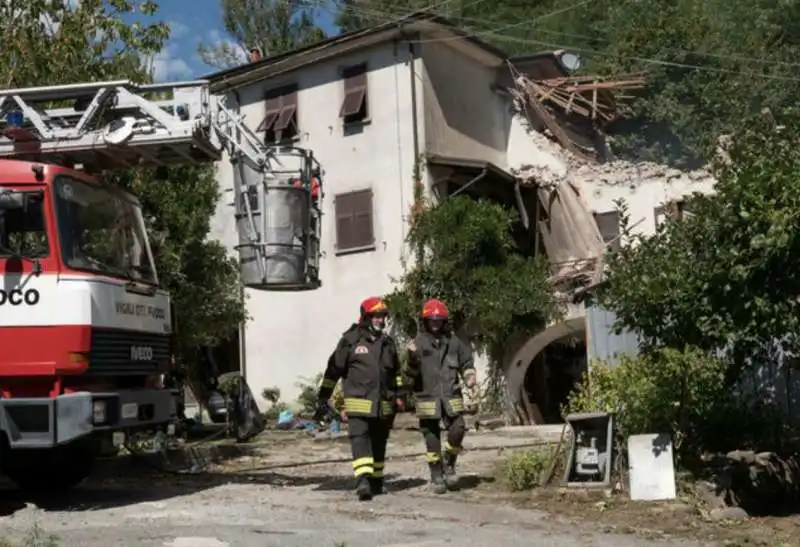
758, 482
557, 165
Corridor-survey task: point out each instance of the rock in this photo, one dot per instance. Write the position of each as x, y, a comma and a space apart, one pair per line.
761, 482
743, 456
727, 513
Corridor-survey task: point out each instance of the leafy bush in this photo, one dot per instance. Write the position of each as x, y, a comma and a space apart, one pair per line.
522, 470
309, 387
680, 392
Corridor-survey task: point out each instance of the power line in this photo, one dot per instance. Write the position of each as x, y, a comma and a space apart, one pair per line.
496, 34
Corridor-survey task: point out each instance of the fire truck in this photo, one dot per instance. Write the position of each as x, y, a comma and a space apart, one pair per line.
85, 328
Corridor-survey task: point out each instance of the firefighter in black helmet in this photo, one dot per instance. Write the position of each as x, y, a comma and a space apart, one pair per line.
366, 360
437, 363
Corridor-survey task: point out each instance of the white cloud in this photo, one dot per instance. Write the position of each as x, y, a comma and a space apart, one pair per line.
231, 51
167, 67
177, 30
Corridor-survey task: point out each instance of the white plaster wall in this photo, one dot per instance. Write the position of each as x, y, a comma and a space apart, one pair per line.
290, 335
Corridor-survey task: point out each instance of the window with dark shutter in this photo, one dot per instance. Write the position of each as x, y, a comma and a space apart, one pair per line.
354, 222
354, 106
608, 225
280, 119
673, 210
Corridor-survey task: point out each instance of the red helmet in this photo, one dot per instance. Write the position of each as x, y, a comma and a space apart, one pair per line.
435, 309
373, 306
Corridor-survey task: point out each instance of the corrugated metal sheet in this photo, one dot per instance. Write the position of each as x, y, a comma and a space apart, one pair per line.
601, 341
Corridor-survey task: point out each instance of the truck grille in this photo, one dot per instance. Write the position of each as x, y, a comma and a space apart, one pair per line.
117, 352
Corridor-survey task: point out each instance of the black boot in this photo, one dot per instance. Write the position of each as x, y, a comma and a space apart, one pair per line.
438, 485
363, 488
450, 477
377, 486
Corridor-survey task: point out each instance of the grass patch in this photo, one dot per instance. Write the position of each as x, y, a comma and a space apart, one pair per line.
526, 469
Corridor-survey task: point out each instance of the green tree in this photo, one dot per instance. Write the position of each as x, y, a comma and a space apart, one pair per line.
274, 26
724, 278
711, 64
49, 43
466, 256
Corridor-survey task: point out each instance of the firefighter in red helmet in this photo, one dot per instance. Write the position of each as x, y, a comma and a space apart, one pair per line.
438, 361
366, 361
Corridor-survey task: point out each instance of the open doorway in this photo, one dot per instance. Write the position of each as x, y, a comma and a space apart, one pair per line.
227, 354
552, 376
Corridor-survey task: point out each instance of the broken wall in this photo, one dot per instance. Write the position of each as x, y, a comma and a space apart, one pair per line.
643, 186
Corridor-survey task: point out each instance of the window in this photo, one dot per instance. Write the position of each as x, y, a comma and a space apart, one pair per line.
22, 228
354, 229
354, 106
280, 118
102, 230
673, 210
608, 224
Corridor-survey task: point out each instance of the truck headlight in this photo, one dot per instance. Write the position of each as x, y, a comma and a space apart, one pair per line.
98, 412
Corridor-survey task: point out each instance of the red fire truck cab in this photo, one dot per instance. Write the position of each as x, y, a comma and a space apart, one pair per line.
84, 328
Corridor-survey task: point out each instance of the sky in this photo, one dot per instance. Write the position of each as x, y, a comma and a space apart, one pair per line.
200, 24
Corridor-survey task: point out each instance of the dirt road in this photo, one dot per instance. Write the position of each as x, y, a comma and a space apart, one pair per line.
273, 498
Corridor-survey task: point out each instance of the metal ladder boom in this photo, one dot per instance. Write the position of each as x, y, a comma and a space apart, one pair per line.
120, 124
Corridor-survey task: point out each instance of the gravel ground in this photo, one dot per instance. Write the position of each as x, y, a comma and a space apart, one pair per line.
272, 498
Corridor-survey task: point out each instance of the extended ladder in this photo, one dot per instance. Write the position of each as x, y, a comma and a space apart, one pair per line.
119, 124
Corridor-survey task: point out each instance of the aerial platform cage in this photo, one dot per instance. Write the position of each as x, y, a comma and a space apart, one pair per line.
278, 221
118, 124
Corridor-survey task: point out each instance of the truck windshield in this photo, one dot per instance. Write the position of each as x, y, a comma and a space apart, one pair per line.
22, 231
102, 231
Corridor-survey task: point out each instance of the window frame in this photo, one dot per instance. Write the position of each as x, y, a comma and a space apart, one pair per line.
355, 87
281, 105
617, 240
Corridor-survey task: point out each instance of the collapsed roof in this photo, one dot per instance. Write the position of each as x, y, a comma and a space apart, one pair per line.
572, 111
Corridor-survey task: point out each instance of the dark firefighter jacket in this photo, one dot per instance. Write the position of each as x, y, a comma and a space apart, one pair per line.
436, 368
369, 369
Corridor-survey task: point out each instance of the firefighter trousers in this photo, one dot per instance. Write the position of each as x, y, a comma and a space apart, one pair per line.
368, 439
432, 433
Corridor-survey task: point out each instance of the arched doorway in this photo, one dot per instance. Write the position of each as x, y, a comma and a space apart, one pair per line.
544, 370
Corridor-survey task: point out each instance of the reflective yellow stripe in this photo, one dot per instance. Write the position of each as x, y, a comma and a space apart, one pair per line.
426, 408
386, 407
359, 406
366, 470
328, 383
450, 449
378, 465
432, 457
363, 466
378, 473
399, 381
457, 405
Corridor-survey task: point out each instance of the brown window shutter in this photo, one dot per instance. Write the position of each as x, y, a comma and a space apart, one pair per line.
344, 222
273, 109
355, 91
288, 110
363, 230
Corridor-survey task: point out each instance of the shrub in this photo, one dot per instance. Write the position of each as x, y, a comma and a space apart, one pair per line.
679, 392
522, 470
309, 387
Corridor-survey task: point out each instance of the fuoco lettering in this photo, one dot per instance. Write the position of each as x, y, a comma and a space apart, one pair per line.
18, 297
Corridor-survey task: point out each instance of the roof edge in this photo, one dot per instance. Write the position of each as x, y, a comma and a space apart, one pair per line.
250, 73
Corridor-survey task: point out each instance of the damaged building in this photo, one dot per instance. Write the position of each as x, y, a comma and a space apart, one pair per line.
371, 104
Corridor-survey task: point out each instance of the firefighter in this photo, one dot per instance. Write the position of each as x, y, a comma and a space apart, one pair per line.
366, 360
438, 361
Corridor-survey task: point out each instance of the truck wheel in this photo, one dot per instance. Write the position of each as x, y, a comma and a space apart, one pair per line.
50, 470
